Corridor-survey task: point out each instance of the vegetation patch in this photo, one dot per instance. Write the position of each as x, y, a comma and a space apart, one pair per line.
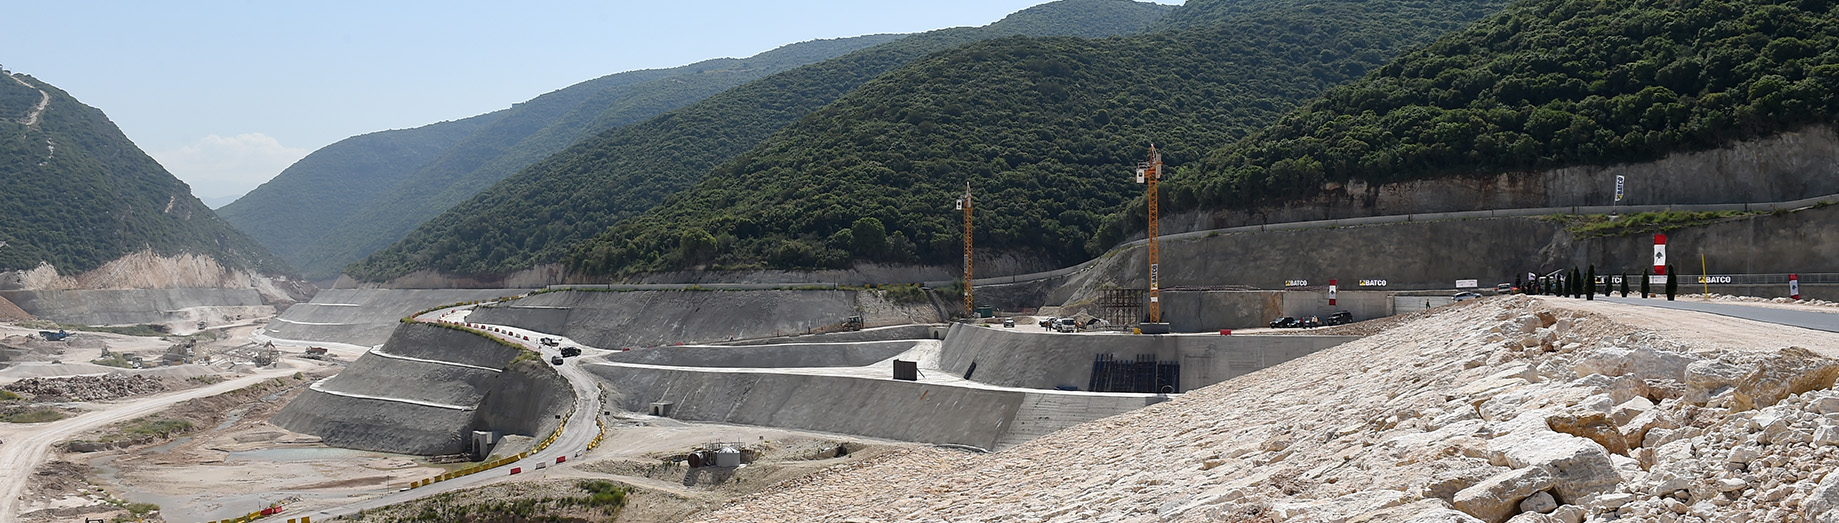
1598, 225
589, 500
7, 395
114, 360
31, 415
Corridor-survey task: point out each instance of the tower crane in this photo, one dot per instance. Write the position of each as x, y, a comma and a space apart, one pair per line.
1148, 173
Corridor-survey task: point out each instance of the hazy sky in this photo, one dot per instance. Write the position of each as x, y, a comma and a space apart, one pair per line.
227, 94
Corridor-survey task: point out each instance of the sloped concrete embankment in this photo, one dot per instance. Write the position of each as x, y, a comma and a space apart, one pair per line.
879, 408
768, 356
899, 332
365, 316
140, 306
1047, 360
393, 401
616, 319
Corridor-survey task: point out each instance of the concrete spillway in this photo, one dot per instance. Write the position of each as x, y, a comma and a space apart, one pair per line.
425, 389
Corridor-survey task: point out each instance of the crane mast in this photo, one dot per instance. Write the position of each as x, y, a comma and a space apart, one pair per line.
964, 204
1148, 173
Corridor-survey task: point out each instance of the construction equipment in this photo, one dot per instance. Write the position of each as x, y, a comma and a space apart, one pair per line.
854, 323
60, 335
1149, 173
964, 204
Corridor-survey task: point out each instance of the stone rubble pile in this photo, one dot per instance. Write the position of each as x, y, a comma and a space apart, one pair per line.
1508, 409
1755, 299
87, 388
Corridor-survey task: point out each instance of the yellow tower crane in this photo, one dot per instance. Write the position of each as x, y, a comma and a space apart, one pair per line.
1149, 173
964, 204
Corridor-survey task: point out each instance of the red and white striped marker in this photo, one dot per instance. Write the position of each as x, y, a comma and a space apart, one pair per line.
1794, 286
1332, 285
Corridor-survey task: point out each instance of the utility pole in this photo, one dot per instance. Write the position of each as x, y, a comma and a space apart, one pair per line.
964, 204
1149, 173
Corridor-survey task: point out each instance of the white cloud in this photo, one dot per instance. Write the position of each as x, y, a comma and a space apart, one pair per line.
222, 168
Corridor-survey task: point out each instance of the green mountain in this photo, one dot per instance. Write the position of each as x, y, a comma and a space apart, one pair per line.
78, 193
292, 211
1045, 130
1546, 84
409, 176
540, 214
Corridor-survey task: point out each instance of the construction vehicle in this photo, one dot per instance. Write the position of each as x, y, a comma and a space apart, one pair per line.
60, 335
853, 323
570, 352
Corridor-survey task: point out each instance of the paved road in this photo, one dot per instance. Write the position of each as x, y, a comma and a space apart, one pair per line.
1811, 320
573, 441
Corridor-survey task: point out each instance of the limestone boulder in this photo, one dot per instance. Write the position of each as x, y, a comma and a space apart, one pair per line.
1709, 378
1644, 363
1790, 371
1498, 497
1595, 426
1580, 468
1339, 509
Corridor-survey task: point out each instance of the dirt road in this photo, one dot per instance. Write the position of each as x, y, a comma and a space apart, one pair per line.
25, 451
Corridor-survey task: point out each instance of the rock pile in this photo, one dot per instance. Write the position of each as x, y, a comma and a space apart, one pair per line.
1755, 299
1509, 409
87, 388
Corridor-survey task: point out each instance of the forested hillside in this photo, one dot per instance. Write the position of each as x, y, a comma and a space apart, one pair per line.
1544, 84
291, 212
538, 215
76, 193
321, 240
1045, 130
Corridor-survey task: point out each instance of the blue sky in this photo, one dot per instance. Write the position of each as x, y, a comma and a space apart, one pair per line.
227, 94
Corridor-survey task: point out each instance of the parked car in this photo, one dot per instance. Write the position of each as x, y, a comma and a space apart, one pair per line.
1308, 322
570, 352
1009, 322
555, 360
1505, 288
1464, 296
1285, 322
1339, 318
1066, 325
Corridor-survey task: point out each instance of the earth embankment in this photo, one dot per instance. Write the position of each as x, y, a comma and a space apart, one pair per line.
618, 319
365, 317
425, 390
781, 356
177, 307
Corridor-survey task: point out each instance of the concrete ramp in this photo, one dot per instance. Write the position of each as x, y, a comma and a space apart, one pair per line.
365, 317
622, 319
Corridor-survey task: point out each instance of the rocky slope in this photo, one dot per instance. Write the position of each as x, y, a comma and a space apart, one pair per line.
1503, 409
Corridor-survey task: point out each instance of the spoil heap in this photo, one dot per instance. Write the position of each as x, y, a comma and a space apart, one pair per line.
1505, 409
87, 388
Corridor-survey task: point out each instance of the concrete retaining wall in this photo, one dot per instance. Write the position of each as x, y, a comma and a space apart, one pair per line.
365, 316
767, 356
654, 318
132, 306
1788, 166
902, 332
1048, 360
376, 425
879, 408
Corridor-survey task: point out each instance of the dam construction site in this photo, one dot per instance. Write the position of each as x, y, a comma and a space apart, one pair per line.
1119, 261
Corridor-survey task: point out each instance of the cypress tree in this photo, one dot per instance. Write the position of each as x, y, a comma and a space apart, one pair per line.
1624, 284
1576, 281
1590, 281
1645, 281
1672, 282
